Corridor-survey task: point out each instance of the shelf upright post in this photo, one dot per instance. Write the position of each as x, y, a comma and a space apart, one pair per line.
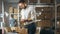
55, 15
2, 17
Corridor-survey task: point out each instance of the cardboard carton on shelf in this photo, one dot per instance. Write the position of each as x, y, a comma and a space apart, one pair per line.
10, 9
20, 30
44, 23
47, 15
7, 29
47, 9
40, 16
32, 1
15, 10
46, 1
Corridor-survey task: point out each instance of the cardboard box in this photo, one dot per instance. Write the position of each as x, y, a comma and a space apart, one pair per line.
46, 1
20, 30
45, 16
7, 29
15, 10
46, 9
58, 14
44, 23
40, 16
33, 1
43, 1
46, 12
10, 9
58, 8
48, 15
23, 31
39, 8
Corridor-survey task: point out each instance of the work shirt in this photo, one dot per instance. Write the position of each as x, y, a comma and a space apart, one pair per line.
28, 13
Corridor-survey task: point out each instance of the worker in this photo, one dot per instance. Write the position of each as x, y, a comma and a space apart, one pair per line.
28, 16
12, 21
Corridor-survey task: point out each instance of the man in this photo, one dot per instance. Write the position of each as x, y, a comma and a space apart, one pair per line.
28, 16
12, 21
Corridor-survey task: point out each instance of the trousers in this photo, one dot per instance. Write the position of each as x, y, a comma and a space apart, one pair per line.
31, 28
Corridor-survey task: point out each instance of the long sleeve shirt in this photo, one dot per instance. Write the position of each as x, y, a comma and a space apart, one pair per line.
28, 13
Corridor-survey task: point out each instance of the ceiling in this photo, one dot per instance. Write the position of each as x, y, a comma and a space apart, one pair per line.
16, 1
12, 1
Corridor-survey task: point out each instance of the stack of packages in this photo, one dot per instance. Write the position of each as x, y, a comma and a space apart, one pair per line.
15, 13
21, 30
46, 1
7, 29
16, 29
10, 9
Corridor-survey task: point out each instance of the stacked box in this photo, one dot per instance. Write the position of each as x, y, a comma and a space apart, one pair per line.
33, 1
44, 23
15, 10
58, 11
43, 1
7, 29
10, 9
47, 1
21, 30
45, 12
47, 15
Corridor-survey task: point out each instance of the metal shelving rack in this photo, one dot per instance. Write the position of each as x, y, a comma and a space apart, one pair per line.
57, 19
2, 14
38, 4
55, 16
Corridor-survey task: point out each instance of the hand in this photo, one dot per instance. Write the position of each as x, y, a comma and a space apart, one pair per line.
22, 20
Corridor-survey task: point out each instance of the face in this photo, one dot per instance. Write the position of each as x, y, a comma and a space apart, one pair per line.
22, 5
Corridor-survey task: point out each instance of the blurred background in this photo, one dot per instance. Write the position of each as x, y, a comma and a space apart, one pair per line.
47, 16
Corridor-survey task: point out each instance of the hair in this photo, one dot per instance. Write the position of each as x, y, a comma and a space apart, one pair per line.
12, 15
21, 1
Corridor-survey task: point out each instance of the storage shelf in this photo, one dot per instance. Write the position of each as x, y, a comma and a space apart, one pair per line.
14, 13
58, 5
43, 5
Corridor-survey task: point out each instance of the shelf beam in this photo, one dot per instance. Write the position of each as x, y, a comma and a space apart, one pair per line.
43, 5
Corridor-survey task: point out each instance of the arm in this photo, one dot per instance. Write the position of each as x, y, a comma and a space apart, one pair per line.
33, 14
22, 17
